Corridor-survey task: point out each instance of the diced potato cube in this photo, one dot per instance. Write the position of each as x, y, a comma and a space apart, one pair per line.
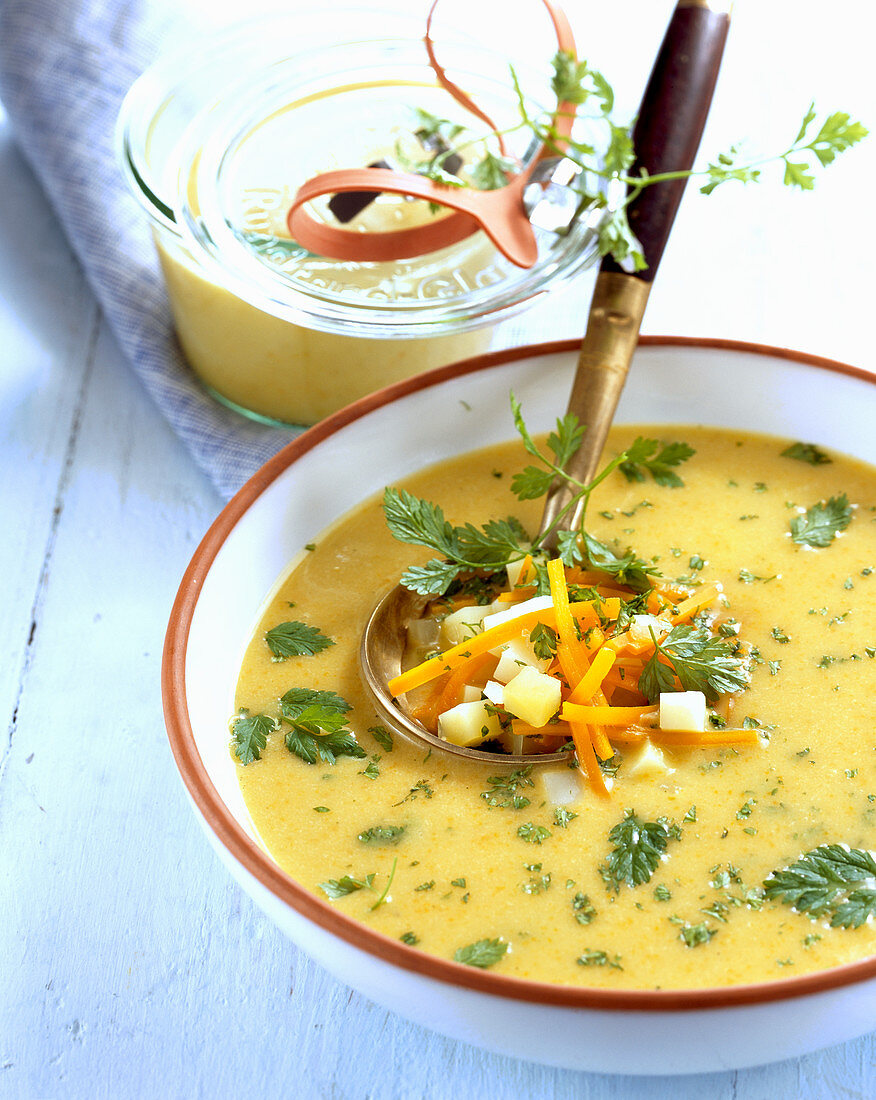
648, 763
562, 786
532, 696
683, 710
470, 694
468, 724
537, 603
514, 569
495, 692
516, 655
460, 625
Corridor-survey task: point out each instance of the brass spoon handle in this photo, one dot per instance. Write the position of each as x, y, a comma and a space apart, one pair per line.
666, 137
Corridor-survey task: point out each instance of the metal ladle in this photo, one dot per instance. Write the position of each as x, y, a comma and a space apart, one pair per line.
666, 137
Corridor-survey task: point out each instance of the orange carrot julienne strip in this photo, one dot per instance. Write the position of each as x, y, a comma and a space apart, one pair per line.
516, 595
706, 737
460, 676
572, 655
690, 606
601, 744
591, 681
524, 569
606, 716
587, 758
571, 666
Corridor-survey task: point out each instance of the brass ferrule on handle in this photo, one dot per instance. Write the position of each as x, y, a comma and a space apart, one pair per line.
616, 313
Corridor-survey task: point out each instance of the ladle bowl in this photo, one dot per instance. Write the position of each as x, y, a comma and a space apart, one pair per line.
380, 658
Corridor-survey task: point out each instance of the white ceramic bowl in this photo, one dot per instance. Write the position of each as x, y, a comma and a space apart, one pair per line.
356, 452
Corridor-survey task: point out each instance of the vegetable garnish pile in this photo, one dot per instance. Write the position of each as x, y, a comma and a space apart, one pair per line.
589, 649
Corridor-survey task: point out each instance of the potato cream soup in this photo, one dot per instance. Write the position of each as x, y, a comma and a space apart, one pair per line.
666, 882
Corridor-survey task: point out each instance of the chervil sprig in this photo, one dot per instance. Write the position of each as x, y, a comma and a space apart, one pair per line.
702, 661
499, 543
607, 164
831, 881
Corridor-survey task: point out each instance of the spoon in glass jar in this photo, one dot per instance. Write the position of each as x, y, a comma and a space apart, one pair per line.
666, 136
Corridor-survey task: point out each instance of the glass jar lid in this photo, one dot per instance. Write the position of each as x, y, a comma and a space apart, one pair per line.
225, 180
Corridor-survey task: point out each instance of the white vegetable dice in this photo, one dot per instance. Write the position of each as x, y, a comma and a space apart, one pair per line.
461, 625
468, 724
516, 655
648, 763
514, 569
495, 692
683, 710
532, 696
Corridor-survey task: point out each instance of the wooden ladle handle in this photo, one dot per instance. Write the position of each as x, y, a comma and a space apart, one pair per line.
672, 117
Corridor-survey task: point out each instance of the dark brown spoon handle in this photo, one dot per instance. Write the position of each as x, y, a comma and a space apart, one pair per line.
672, 118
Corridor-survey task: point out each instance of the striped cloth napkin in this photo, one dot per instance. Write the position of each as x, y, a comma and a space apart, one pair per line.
65, 67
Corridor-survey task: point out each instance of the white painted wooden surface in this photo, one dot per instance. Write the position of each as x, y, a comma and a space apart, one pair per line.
130, 965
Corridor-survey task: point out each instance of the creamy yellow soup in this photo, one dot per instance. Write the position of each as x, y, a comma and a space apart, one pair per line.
296, 373
463, 871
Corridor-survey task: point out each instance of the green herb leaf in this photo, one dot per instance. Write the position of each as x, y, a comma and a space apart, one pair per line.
294, 639
649, 456
702, 662
481, 953
504, 790
592, 957
638, 848
832, 880
569, 549
418, 522
319, 726
341, 887
491, 172
431, 579
582, 909
543, 640
629, 569
695, 935
382, 736
562, 817
250, 733
533, 834
297, 700
422, 523
433, 130
822, 522
807, 452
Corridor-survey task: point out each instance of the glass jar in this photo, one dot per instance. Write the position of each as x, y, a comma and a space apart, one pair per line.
215, 149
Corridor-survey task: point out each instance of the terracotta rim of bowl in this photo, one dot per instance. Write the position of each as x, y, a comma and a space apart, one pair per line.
255, 861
